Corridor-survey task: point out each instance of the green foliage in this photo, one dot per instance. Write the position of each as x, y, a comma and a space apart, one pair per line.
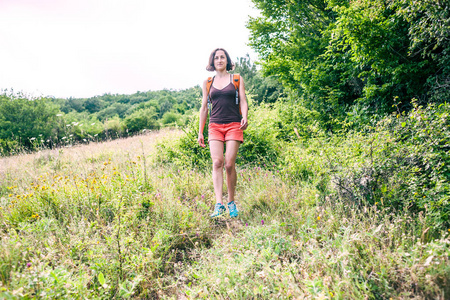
296, 121
8, 147
335, 55
429, 23
26, 121
185, 152
400, 164
100, 222
262, 89
142, 119
260, 143
116, 109
74, 127
114, 127
260, 138
93, 105
170, 118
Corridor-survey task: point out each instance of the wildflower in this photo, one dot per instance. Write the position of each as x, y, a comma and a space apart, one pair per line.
28, 265
203, 196
246, 224
262, 222
318, 218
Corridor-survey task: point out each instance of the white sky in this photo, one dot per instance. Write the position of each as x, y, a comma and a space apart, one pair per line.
83, 48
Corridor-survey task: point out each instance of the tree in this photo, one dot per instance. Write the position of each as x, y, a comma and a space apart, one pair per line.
27, 121
142, 119
429, 32
93, 105
338, 56
263, 89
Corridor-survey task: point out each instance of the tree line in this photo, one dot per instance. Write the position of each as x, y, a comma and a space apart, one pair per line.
28, 124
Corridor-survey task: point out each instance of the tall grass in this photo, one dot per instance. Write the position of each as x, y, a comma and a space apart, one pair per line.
109, 221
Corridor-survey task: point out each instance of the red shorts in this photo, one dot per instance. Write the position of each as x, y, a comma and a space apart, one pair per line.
226, 132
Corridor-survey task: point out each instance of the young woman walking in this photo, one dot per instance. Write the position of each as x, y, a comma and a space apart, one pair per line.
227, 122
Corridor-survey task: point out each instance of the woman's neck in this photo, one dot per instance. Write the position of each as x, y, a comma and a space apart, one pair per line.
221, 74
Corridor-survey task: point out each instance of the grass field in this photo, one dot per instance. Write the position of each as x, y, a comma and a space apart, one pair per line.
105, 221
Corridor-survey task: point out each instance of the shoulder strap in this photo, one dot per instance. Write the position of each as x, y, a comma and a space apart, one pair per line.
209, 83
236, 81
236, 78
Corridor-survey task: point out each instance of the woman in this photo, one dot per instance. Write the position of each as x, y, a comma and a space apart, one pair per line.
226, 125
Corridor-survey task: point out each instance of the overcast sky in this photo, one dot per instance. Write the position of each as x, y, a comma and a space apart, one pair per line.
83, 48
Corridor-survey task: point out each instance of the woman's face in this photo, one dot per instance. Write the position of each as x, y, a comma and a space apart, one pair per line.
220, 60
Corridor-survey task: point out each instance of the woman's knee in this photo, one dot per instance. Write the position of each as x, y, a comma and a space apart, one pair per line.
217, 163
230, 166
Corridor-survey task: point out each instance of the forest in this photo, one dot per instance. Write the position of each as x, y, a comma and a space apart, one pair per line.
343, 178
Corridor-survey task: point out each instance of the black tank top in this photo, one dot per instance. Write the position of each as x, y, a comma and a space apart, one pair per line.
224, 108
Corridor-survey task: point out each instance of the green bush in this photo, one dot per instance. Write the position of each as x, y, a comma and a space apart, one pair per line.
260, 143
8, 147
114, 127
170, 118
401, 163
142, 119
296, 121
185, 152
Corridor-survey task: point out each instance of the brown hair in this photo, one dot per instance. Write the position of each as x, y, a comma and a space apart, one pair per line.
210, 66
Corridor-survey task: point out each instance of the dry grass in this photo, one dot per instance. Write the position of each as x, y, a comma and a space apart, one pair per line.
103, 221
17, 169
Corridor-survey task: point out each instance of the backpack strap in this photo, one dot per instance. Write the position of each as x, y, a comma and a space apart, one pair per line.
236, 79
236, 82
209, 83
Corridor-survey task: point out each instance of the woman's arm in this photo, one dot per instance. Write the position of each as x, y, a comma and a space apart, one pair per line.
203, 116
243, 104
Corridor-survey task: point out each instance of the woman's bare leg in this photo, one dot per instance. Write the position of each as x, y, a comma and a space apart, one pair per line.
232, 148
216, 148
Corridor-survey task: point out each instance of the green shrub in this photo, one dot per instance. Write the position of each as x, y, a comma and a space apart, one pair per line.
261, 143
403, 164
8, 147
170, 118
114, 127
185, 152
296, 121
142, 119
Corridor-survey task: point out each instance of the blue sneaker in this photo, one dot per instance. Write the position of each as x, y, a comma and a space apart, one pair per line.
219, 210
233, 210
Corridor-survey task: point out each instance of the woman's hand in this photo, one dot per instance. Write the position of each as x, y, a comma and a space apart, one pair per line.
201, 140
244, 124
